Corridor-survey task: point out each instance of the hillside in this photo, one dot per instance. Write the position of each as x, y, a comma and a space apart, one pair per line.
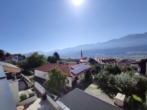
130, 45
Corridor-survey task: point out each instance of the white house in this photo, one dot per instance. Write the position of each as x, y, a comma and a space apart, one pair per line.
15, 58
74, 72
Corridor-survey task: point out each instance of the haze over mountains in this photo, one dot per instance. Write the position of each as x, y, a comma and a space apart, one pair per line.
130, 43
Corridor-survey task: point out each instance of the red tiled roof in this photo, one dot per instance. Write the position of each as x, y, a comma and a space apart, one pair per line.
106, 60
65, 68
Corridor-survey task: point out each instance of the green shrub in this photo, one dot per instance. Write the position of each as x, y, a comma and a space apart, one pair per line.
31, 94
27, 72
22, 96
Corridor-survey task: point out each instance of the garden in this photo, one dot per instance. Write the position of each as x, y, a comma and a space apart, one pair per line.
113, 79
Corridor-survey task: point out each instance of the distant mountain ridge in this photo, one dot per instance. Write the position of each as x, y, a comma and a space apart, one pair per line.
131, 40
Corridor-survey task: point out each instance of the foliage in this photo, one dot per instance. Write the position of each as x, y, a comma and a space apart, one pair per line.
113, 69
57, 79
130, 103
52, 59
23, 65
111, 80
88, 75
126, 83
57, 56
102, 77
1, 53
7, 54
31, 94
127, 68
27, 72
33, 61
36, 60
96, 69
22, 96
137, 98
141, 85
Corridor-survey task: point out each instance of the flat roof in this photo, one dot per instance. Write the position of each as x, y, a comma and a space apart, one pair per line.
6, 102
80, 100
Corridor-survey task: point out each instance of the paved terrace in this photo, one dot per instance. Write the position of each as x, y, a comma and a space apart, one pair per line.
41, 105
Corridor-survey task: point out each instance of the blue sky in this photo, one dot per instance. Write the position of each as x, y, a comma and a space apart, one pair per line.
45, 25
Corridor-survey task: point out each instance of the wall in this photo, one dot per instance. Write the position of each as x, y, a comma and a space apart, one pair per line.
41, 90
70, 79
41, 74
29, 100
11, 69
14, 90
15, 59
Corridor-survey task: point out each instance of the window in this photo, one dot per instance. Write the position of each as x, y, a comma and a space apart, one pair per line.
45, 74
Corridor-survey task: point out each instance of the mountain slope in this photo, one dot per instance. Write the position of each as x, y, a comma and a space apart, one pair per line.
132, 40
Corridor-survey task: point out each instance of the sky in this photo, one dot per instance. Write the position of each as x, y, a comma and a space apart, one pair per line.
46, 25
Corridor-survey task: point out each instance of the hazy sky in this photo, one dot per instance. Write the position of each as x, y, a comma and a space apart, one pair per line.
45, 25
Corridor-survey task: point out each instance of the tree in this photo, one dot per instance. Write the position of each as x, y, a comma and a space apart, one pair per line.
88, 76
1, 53
57, 56
141, 85
57, 79
23, 65
102, 78
113, 69
36, 60
52, 59
7, 54
126, 83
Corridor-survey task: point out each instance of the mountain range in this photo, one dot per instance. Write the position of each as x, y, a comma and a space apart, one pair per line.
130, 43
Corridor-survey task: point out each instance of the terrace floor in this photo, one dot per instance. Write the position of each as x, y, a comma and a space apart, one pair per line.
22, 86
95, 91
41, 105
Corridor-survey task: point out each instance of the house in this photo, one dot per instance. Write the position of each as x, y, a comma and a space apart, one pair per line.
104, 60
15, 58
80, 100
7, 102
75, 73
10, 100
142, 66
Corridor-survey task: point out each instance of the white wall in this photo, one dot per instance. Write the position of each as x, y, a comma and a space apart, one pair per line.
29, 100
15, 59
14, 90
41, 74
70, 79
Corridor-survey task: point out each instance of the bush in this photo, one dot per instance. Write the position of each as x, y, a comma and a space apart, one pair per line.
113, 69
31, 94
22, 96
27, 72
